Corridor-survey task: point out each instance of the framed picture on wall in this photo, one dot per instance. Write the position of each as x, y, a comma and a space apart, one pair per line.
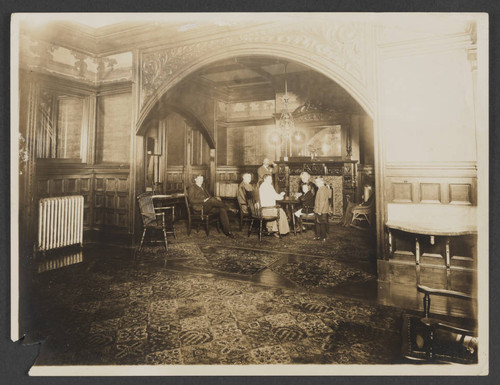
325, 142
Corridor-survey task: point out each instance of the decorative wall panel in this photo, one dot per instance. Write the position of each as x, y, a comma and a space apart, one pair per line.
430, 192
402, 192
460, 194
44, 57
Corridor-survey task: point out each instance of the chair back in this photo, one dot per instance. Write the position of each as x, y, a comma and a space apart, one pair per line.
253, 205
147, 208
188, 205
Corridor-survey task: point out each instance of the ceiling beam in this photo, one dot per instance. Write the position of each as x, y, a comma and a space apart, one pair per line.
241, 82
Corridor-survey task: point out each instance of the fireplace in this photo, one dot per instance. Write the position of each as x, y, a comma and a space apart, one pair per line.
338, 173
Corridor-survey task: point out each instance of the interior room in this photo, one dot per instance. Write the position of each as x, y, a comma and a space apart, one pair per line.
122, 124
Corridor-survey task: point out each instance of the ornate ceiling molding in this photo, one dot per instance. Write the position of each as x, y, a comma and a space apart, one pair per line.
340, 48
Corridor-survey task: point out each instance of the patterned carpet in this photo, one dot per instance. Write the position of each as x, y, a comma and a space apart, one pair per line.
322, 273
120, 307
211, 258
146, 316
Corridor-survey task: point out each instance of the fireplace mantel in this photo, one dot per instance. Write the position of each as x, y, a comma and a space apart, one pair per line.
339, 173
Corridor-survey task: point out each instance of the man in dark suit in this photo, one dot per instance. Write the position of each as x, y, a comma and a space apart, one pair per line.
200, 198
267, 168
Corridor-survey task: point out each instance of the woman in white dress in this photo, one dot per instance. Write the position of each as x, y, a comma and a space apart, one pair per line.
268, 198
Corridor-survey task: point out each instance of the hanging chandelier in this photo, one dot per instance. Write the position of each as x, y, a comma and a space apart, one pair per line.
286, 124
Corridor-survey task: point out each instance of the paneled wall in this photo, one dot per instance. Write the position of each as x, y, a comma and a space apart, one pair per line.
111, 199
113, 128
105, 191
438, 184
102, 172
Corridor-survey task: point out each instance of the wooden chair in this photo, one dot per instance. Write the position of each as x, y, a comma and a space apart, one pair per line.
306, 218
260, 214
434, 340
151, 220
199, 218
244, 214
363, 212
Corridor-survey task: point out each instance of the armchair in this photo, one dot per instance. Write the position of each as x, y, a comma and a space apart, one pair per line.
437, 340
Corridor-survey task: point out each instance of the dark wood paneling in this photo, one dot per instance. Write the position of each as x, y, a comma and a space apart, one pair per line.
105, 191
113, 128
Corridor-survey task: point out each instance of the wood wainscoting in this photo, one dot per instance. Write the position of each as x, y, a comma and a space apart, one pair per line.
105, 188
448, 262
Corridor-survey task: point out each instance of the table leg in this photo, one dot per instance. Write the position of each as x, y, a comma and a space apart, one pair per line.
390, 242
417, 251
448, 256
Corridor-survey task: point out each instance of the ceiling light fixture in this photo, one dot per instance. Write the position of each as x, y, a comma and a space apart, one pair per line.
286, 124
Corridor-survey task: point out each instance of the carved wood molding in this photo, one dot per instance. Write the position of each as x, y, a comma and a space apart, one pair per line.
341, 47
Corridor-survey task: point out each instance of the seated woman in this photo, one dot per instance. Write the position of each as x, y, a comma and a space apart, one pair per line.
306, 201
268, 198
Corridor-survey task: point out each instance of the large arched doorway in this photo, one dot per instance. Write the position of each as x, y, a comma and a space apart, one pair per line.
235, 104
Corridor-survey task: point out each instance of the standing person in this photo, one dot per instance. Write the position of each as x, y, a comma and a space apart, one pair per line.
200, 198
243, 187
268, 198
321, 209
267, 168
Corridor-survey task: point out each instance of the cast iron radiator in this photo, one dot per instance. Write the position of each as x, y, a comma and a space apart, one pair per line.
60, 222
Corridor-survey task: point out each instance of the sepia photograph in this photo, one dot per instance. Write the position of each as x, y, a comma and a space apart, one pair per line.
250, 193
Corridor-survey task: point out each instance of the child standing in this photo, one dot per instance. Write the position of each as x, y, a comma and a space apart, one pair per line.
321, 209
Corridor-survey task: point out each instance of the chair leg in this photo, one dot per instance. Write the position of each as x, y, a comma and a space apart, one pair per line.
250, 227
165, 238
300, 225
207, 230
241, 222
260, 230
278, 225
189, 226
142, 239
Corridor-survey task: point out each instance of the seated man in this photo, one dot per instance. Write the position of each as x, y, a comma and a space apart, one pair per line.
268, 198
199, 197
243, 187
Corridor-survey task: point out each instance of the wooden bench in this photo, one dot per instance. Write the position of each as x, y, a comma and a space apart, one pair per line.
431, 220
